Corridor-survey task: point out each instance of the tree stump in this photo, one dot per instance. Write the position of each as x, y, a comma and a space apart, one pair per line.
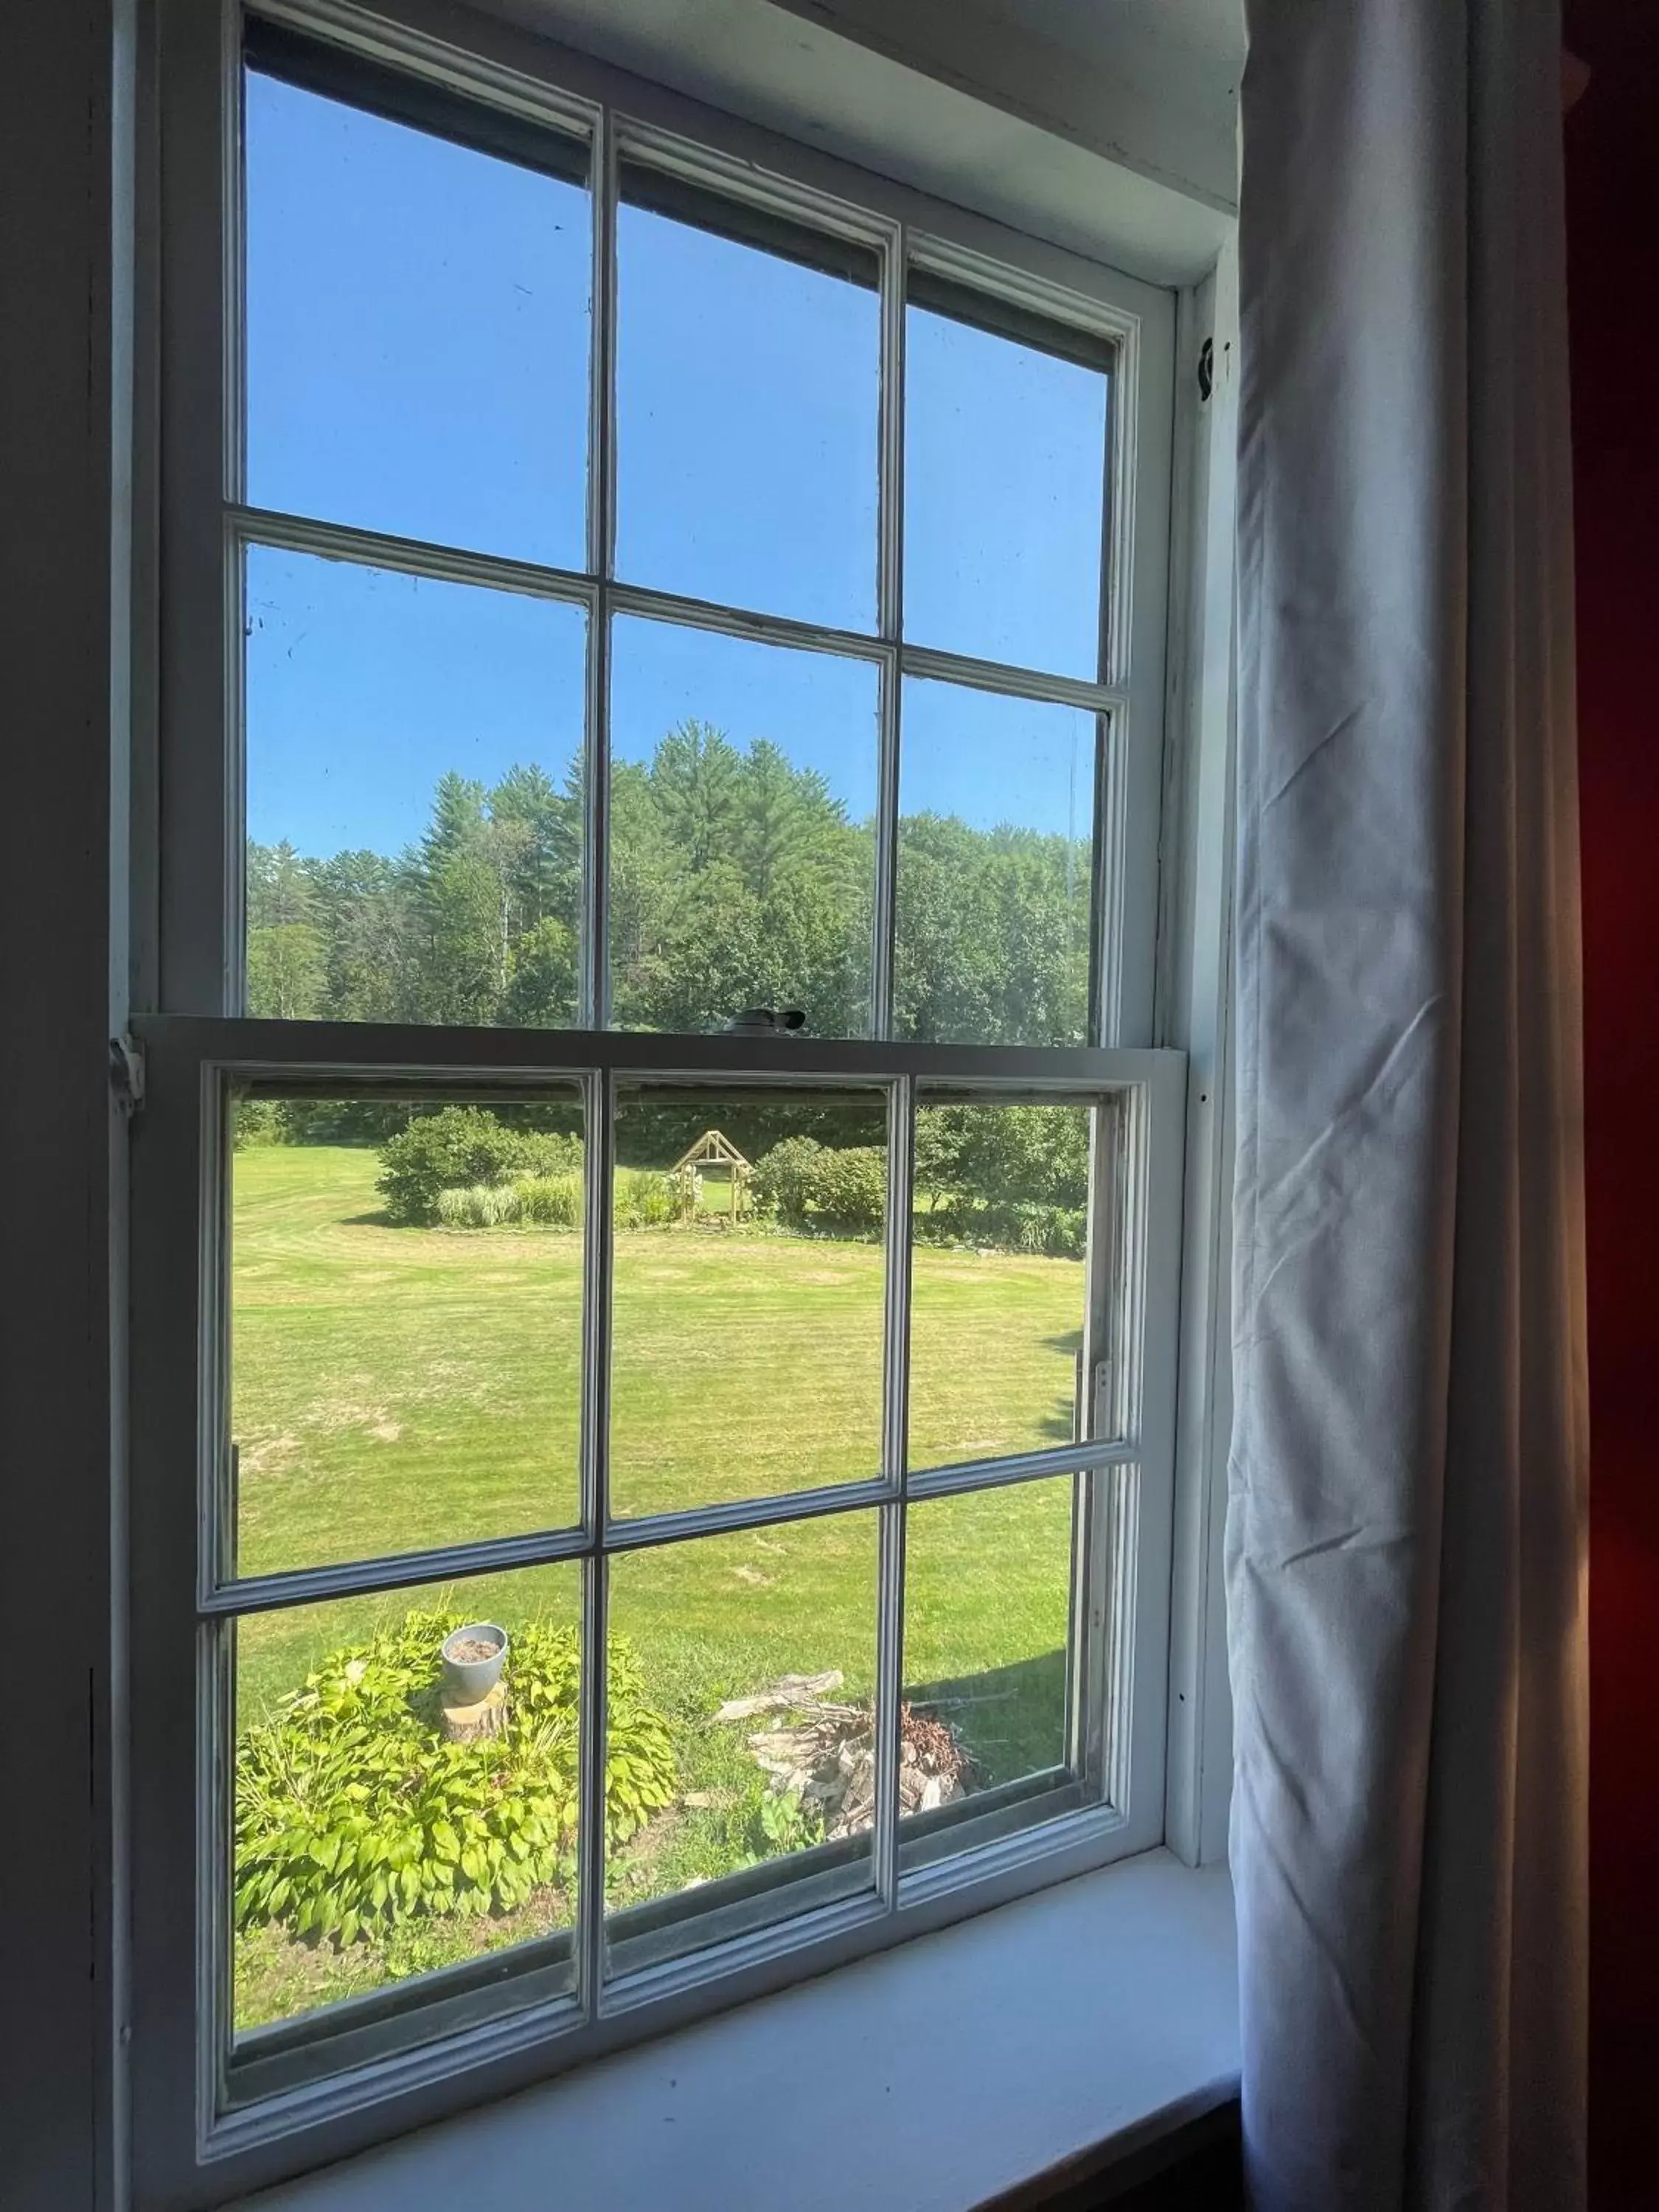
465, 1723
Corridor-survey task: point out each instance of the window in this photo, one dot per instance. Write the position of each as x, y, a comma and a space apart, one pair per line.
656, 1219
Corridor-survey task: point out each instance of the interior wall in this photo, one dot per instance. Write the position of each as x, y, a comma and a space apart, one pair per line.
1612, 186
65, 127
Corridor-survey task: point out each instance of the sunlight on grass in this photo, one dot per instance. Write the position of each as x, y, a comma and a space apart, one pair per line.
394, 1389
400, 1389
997, 1675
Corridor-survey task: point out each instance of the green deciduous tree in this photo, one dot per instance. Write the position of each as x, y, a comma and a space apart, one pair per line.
737, 879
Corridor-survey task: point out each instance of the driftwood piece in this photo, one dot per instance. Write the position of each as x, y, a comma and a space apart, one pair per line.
788, 1690
824, 1752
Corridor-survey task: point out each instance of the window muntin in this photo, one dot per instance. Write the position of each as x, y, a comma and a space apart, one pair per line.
696, 1941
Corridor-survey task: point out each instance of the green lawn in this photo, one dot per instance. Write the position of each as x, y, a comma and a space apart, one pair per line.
400, 1387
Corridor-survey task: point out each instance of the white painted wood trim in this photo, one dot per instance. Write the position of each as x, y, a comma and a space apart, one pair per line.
1196, 991
1083, 2021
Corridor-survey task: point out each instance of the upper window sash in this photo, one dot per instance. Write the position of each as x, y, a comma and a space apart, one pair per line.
765, 182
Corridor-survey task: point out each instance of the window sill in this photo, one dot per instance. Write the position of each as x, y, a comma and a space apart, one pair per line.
1057, 2034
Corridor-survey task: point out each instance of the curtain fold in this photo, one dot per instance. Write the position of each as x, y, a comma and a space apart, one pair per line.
1407, 1531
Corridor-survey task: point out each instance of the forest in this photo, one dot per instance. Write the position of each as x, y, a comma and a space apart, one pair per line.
736, 879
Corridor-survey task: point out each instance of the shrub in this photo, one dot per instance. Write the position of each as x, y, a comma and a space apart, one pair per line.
354, 1814
260, 1121
480, 1206
849, 1191
451, 1150
544, 1153
644, 1199
836, 1192
532, 1177
547, 1202
533, 1201
467, 1149
1035, 1155
1008, 1225
783, 1178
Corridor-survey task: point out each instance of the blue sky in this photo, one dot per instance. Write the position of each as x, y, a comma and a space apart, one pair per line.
417, 363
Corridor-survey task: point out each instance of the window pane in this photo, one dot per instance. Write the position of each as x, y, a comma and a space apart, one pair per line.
747, 387
1004, 471
393, 1813
995, 868
414, 803
417, 331
405, 1324
987, 1612
743, 795
998, 1286
750, 1275
761, 1648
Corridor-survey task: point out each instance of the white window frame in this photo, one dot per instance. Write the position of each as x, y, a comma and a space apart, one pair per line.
194, 2144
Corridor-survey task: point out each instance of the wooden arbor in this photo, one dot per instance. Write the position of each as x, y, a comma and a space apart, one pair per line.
715, 1158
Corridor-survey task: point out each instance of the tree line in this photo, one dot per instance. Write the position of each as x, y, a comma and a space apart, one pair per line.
1015, 1176
736, 880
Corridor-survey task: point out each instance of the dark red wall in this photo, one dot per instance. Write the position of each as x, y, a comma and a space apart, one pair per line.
1613, 222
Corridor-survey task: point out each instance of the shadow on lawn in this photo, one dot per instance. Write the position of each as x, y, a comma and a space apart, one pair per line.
1010, 1720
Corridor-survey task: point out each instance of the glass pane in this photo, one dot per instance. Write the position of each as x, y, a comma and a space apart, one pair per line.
743, 856
995, 868
417, 331
405, 1324
405, 1792
1004, 473
761, 1648
999, 1284
414, 796
987, 1612
746, 1335
747, 390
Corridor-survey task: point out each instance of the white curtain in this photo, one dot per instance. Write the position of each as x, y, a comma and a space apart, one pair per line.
1407, 1524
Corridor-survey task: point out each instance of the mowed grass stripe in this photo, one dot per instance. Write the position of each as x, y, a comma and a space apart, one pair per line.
396, 1389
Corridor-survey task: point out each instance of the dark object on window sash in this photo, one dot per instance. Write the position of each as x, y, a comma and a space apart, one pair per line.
766, 1020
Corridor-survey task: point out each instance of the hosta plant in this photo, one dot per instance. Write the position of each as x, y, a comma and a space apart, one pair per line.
354, 1815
